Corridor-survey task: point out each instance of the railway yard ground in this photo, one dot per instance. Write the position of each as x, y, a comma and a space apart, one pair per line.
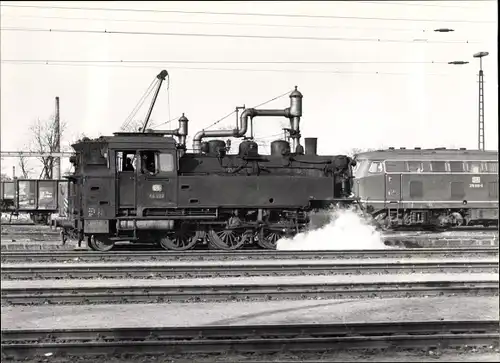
425, 297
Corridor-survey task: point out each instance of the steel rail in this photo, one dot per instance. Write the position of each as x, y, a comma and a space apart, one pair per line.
218, 255
295, 268
245, 292
22, 344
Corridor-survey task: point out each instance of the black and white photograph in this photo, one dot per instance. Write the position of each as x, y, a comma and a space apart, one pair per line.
249, 181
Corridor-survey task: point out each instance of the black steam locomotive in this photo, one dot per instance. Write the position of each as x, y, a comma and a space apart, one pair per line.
146, 186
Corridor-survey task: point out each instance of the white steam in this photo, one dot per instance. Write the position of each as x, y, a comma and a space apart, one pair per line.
335, 230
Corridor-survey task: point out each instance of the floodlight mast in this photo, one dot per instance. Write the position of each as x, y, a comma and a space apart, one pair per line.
480, 141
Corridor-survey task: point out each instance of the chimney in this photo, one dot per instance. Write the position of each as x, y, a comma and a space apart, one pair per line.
311, 145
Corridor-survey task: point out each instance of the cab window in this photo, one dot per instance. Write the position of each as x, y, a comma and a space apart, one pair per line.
491, 167
148, 162
414, 166
395, 166
375, 167
474, 167
154, 162
125, 160
456, 166
438, 166
166, 162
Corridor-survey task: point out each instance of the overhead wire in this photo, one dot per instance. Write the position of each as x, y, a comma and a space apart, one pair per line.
240, 24
308, 71
166, 122
201, 12
189, 61
219, 120
401, 3
273, 99
215, 23
268, 136
233, 112
245, 36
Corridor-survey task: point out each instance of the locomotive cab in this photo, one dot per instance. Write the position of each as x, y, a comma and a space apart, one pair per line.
369, 179
147, 180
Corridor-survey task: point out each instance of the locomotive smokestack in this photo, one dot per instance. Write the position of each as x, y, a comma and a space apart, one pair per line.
311, 145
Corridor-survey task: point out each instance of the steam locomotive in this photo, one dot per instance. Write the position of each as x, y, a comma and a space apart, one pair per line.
146, 186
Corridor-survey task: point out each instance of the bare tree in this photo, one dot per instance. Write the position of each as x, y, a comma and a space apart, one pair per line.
5, 177
25, 169
45, 140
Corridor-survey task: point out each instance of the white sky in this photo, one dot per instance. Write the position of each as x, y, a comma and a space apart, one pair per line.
431, 105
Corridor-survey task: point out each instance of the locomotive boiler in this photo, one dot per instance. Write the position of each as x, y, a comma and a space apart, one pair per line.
147, 186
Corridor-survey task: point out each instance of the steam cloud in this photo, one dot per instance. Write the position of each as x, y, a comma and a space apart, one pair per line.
335, 230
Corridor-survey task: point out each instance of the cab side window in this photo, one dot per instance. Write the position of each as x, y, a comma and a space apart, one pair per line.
154, 162
474, 167
395, 166
491, 167
456, 166
438, 166
166, 162
375, 167
148, 162
415, 166
125, 160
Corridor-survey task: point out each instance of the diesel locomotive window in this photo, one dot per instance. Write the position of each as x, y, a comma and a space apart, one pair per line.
375, 167
414, 166
490, 167
395, 166
125, 160
456, 166
438, 166
474, 167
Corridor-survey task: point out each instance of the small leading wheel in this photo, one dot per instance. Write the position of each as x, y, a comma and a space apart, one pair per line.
268, 239
183, 239
228, 239
100, 243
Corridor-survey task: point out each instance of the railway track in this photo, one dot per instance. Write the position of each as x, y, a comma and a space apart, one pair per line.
161, 292
197, 255
22, 344
233, 269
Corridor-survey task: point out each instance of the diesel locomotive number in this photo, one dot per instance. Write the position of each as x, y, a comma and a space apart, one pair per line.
476, 186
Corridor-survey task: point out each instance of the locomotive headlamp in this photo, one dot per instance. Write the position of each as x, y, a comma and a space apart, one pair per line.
156, 188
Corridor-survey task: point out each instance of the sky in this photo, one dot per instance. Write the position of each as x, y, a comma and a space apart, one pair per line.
373, 74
